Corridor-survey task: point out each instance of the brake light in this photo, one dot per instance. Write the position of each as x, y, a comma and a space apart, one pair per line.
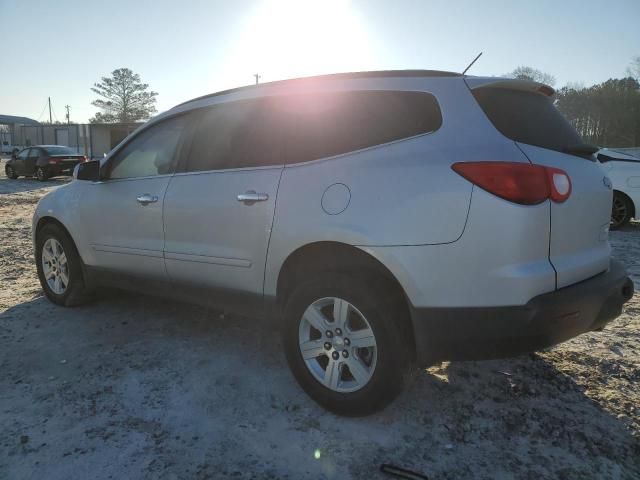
53, 161
522, 183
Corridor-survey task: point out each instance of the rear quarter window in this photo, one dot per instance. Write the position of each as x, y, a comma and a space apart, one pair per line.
322, 125
527, 117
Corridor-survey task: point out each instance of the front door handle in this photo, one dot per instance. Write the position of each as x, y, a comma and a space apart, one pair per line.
250, 197
146, 199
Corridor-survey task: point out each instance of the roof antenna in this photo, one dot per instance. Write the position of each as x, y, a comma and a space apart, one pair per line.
471, 64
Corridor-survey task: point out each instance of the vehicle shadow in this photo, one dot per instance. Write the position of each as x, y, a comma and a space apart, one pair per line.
163, 388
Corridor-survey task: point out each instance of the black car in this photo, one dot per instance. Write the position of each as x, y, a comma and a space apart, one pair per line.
43, 162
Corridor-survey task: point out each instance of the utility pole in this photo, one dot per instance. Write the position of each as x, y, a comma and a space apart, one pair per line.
67, 107
50, 119
258, 77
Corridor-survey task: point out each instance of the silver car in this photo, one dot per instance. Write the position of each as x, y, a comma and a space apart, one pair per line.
389, 218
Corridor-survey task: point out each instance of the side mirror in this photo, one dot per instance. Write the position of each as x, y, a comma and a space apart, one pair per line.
87, 171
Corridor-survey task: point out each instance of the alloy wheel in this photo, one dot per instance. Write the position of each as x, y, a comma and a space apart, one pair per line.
337, 344
54, 266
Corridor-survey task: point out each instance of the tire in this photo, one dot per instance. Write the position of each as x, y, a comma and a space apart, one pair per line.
620, 211
41, 174
10, 172
73, 290
384, 364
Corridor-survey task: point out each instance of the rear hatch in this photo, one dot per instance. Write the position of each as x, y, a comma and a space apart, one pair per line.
524, 112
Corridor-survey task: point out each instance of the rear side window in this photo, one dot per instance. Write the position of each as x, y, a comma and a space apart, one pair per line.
527, 117
326, 124
236, 135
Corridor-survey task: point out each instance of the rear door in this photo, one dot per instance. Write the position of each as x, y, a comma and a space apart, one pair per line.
32, 159
524, 112
219, 207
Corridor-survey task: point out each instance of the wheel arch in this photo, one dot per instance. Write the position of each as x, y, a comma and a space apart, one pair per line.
328, 256
48, 220
629, 199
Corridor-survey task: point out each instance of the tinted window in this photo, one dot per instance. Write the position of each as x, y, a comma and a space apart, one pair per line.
527, 117
60, 151
235, 135
326, 124
23, 154
152, 152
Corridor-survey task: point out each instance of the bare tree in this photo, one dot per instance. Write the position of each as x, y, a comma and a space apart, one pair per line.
124, 98
529, 73
633, 70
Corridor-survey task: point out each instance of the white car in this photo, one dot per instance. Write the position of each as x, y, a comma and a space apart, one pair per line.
388, 218
624, 171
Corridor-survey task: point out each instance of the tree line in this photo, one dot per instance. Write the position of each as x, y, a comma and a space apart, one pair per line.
606, 114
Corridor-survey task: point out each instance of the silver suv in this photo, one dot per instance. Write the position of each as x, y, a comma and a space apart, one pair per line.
389, 218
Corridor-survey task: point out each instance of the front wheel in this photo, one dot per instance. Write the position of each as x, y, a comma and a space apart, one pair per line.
59, 267
620, 211
343, 343
10, 172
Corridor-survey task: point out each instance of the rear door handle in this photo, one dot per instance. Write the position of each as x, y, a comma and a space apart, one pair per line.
146, 199
250, 197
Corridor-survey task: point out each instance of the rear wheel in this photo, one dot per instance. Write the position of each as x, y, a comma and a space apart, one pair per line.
41, 174
620, 211
59, 267
10, 172
344, 345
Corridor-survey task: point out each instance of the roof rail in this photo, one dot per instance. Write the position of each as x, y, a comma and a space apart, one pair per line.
334, 76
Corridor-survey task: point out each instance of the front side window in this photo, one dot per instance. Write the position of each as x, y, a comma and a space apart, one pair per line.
152, 152
34, 153
23, 154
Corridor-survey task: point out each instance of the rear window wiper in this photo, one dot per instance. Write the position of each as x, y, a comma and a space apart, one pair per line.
582, 149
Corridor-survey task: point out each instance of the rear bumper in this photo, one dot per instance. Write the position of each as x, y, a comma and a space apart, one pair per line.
546, 320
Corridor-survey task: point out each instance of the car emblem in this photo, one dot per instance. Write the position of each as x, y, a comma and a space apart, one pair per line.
607, 182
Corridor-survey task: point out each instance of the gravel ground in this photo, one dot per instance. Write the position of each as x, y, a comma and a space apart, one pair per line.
137, 387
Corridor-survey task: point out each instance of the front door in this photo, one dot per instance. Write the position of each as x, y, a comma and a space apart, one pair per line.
122, 214
19, 165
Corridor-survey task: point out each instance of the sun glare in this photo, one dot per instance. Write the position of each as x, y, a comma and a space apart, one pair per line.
290, 38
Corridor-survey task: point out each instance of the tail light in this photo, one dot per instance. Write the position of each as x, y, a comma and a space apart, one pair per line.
523, 183
53, 161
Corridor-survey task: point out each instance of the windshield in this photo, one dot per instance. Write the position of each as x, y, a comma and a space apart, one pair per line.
59, 150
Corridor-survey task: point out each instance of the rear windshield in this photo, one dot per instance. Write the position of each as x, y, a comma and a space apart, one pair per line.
60, 151
527, 117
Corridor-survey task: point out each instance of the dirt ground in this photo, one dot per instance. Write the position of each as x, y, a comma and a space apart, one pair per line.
138, 387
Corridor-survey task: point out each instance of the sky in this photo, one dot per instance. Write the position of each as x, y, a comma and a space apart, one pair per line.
187, 48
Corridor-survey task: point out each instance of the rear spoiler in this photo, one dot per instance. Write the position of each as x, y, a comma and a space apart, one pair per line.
510, 84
